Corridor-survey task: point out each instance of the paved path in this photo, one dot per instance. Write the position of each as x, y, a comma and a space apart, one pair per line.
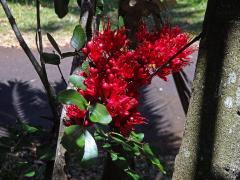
21, 92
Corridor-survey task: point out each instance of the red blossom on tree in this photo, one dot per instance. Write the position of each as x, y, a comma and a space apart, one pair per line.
117, 72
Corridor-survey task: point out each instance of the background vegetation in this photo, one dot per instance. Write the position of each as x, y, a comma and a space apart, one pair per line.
188, 14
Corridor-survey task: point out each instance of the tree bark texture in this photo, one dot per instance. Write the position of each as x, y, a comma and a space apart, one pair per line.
210, 147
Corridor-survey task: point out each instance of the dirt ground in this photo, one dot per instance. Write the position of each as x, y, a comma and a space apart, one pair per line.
8, 39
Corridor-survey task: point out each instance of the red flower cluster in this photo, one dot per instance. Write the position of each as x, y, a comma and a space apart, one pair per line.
117, 72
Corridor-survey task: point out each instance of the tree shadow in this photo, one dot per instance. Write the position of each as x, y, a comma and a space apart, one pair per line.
161, 130
21, 101
186, 16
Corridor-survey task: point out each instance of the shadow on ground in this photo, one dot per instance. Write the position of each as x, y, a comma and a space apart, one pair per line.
188, 16
21, 101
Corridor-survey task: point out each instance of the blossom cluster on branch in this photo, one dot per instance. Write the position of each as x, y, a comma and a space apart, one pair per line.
117, 72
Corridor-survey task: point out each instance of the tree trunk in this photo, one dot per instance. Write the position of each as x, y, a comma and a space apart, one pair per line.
210, 147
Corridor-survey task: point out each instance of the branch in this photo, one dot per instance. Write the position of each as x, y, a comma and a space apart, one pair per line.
64, 80
48, 88
175, 55
20, 39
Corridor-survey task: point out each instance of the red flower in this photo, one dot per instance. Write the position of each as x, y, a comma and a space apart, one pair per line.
118, 72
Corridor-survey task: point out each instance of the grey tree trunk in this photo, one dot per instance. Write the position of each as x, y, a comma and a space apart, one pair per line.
211, 142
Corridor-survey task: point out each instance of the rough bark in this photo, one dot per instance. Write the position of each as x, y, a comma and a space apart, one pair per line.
210, 147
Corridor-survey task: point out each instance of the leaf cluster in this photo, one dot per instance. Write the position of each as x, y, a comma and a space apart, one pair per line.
21, 152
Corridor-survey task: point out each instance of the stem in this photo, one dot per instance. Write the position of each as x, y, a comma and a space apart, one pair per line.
175, 55
62, 75
47, 85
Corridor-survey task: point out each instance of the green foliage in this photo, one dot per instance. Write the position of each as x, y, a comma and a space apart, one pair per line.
85, 67
51, 58
90, 148
54, 43
132, 146
99, 114
80, 142
77, 81
120, 21
78, 38
29, 173
22, 140
71, 96
73, 139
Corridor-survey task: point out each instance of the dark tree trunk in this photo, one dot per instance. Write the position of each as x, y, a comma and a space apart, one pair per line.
210, 147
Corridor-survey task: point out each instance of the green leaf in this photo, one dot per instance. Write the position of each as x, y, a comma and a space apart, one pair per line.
30, 173
137, 136
79, 38
153, 159
77, 81
71, 96
120, 21
99, 114
29, 129
61, 7
106, 145
114, 156
73, 139
119, 139
51, 58
90, 148
132, 174
54, 43
68, 54
85, 67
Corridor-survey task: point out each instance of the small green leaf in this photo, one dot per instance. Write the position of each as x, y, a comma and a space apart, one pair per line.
106, 145
137, 136
77, 81
132, 174
120, 22
99, 114
71, 96
30, 173
85, 67
90, 148
73, 139
153, 159
79, 38
51, 58
114, 156
29, 129
54, 43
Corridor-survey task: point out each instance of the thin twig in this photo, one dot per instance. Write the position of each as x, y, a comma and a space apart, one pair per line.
36, 41
47, 85
175, 55
62, 75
